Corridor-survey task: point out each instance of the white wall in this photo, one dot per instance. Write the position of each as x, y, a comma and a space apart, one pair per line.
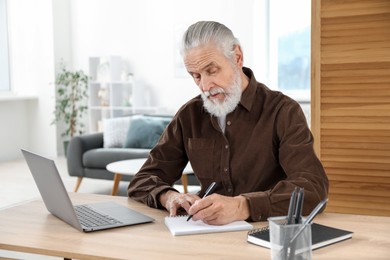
62, 36
13, 115
26, 123
146, 32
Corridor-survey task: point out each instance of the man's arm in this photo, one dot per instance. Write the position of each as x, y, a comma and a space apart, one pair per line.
300, 164
162, 169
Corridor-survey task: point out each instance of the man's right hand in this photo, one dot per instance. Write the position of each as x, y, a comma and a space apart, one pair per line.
173, 200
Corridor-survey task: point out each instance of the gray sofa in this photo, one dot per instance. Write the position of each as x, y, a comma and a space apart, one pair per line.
88, 155
87, 158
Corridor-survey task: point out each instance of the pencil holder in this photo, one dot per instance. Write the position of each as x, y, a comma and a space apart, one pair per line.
289, 241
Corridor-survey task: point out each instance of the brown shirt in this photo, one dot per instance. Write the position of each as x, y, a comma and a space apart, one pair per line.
266, 151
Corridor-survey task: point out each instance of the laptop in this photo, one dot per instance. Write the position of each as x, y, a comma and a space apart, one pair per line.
87, 217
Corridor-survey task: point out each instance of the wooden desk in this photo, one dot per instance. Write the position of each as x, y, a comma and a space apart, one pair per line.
30, 228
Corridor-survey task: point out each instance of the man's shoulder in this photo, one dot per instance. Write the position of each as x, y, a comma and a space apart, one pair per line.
271, 96
191, 110
194, 105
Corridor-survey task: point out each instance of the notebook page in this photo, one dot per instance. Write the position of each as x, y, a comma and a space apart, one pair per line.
180, 226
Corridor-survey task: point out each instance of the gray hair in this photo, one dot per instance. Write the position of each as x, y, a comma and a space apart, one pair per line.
206, 32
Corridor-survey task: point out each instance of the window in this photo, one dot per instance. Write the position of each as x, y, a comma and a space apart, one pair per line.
4, 60
289, 32
290, 46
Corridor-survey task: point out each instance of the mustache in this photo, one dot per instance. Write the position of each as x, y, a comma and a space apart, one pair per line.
214, 91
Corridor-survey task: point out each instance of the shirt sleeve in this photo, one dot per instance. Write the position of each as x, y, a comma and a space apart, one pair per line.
300, 164
162, 169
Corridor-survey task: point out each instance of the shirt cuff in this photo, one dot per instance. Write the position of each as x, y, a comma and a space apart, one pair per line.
259, 205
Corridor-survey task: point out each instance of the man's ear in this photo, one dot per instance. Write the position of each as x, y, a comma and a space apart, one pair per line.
239, 56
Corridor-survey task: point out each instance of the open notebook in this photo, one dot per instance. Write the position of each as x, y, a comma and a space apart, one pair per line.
180, 226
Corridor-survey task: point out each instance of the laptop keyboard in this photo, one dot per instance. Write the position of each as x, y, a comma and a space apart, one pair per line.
90, 218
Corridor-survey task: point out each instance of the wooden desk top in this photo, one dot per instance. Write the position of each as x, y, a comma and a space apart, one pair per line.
31, 228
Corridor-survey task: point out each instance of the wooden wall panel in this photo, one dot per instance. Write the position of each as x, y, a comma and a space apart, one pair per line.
351, 102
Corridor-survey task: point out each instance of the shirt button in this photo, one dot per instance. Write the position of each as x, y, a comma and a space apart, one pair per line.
228, 122
225, 169
226, 146
230, 190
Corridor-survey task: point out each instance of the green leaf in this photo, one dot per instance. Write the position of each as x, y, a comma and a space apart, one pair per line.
71, 100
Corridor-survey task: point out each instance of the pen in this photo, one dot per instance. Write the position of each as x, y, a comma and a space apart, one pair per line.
209, 190
298, 209
290, 215
297, 220
291, 206
310, 218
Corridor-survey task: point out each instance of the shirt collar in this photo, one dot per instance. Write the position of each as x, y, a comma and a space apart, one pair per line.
248, 94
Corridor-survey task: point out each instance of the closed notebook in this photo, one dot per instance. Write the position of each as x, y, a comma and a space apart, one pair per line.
321, 236
180, 226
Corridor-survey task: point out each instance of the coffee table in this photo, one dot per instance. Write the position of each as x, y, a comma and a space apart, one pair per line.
132, 166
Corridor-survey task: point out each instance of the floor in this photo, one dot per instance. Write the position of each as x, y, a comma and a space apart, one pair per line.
17, 185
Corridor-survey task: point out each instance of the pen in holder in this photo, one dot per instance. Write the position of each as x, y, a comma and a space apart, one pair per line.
283, 247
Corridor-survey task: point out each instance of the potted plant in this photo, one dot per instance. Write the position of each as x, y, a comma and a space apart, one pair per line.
71, 102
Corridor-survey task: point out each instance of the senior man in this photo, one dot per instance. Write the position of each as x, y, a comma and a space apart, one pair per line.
252, 141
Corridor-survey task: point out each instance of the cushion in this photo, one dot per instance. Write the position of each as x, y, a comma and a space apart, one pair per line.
145, 131
115, 131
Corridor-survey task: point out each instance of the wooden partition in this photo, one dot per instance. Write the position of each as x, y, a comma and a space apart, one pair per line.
351, 102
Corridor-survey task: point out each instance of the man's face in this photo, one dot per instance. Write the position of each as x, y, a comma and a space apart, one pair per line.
217, 77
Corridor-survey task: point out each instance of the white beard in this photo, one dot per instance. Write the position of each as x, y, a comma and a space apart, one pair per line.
232, 98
